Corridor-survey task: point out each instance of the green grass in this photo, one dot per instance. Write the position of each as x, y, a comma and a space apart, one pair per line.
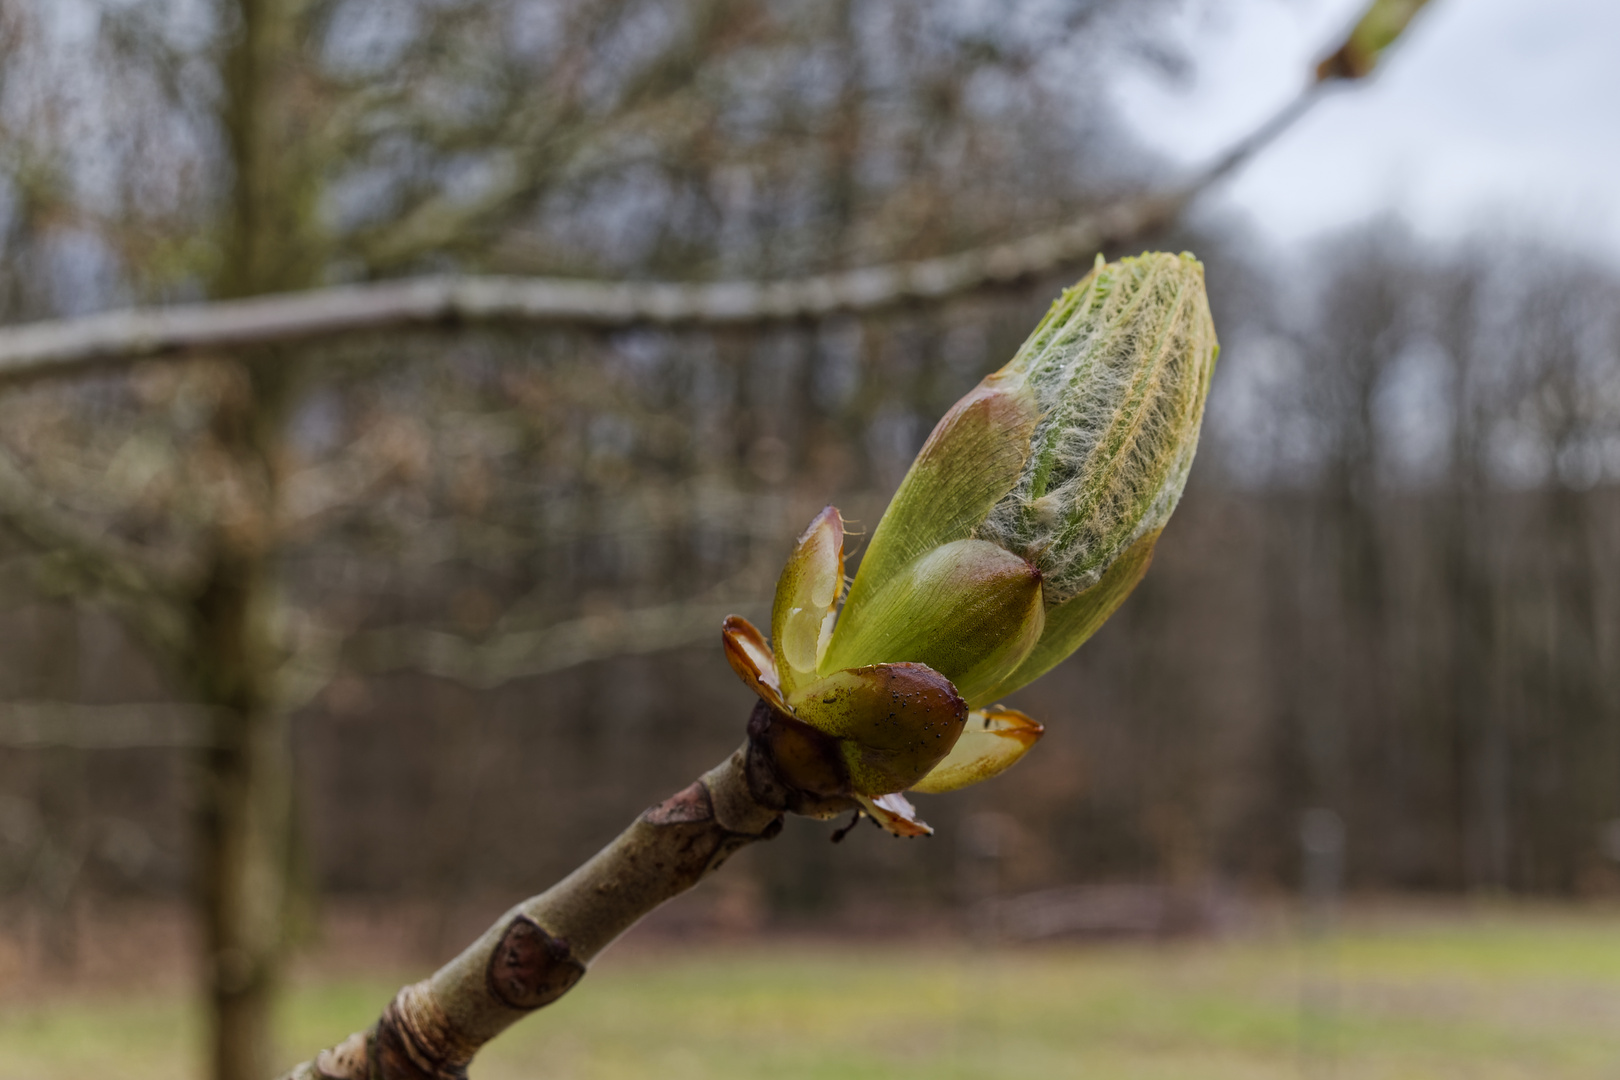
1485, 997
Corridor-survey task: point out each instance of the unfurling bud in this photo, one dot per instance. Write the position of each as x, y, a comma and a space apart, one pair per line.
1029, 515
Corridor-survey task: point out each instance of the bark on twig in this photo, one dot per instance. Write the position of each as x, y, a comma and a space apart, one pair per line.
539, 949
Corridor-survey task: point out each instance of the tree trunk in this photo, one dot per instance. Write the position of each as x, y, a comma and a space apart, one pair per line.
243, 824
243, 831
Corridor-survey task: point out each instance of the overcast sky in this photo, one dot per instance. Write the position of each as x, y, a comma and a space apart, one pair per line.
1489, 113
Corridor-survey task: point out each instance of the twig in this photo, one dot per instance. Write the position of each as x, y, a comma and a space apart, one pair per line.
539, 949
46, 526
43, 349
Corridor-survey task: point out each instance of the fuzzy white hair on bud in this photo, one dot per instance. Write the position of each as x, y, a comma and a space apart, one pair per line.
1119, 368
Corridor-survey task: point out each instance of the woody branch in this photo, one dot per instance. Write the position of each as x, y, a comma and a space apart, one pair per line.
538, 950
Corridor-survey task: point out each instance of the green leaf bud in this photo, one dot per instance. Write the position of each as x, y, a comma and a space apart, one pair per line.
1379, 27
1028, 516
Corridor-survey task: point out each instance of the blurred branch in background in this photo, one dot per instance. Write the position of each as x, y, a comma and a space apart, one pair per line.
146, 587
34, 351
504, 656
160, 725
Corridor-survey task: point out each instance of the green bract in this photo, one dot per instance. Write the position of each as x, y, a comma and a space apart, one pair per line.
1028, 516
968, 609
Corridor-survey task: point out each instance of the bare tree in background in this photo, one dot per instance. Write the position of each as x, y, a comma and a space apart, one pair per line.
159, 151
1444, 469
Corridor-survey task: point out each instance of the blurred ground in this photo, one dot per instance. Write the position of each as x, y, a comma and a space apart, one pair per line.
1403, 992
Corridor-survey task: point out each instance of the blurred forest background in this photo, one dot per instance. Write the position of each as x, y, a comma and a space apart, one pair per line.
476, 572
